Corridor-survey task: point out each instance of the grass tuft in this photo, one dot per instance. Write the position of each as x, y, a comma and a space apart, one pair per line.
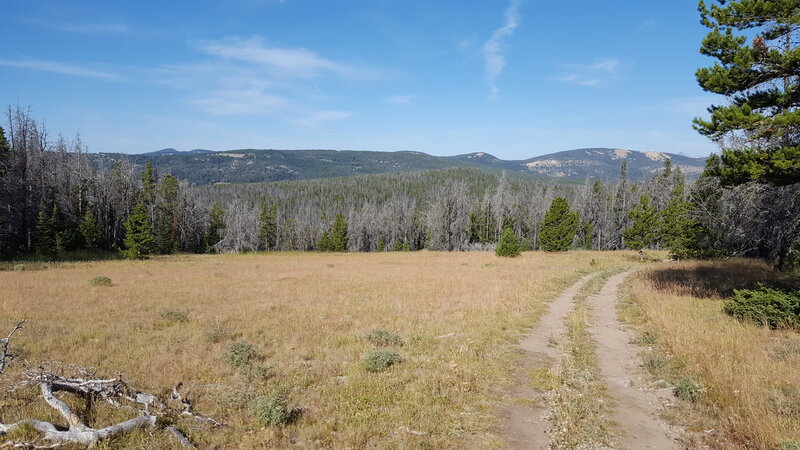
380, 360
100, 280
273, 410
174, 315
383, 338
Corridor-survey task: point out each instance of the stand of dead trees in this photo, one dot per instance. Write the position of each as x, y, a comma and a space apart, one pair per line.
148, 410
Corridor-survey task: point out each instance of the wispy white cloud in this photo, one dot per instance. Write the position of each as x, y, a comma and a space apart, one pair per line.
578, 80
292, 62
594, 73
95, 28
494, 60
243, 101
401, 99
314, 119
57, 67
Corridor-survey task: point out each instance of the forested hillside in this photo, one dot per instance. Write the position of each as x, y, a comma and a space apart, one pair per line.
56, 199
258, 166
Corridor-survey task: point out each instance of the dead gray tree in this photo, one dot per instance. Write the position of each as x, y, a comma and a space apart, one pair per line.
84, 384
5, 356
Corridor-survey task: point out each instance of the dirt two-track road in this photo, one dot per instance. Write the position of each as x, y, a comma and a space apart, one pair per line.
527, 418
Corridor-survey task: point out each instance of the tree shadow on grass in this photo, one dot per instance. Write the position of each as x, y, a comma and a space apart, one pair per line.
717, 279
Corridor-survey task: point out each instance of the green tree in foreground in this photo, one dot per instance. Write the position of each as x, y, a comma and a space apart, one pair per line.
643, 231
138, 234
509, 244
90, 231
339, 234
758, 129
268, 227
216, 222
558, 227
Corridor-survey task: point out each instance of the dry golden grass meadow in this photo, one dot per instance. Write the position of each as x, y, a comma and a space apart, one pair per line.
741, 382
172, 319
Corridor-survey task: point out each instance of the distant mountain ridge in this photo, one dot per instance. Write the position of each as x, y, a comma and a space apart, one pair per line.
251, 166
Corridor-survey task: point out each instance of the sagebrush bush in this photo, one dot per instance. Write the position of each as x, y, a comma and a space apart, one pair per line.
240, 355
765, 306
380, 360
383, 337
174, 315
20, 268
100, 281
687, 389
273, 410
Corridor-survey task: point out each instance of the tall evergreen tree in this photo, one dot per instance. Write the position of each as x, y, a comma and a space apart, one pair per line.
216, 222
167, 236
759, 130
558, 227
338, 234
138, 234
268, 226
90, 231
149, 185
643, 231
46, 230
509, 244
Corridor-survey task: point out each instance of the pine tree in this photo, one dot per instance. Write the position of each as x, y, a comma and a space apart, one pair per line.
138, 234
216, 222
339, 234
558, 227
586, 233
46, 232
324, 243
268, 227
90, 231
757, 130
509, 244
149, 185
167, 236
643, 231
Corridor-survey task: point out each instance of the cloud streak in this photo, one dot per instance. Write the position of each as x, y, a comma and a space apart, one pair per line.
95, 28
591, 74
494, 60
289, 62
60, 68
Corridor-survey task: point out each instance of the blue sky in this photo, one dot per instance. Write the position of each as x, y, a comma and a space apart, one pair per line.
514, 78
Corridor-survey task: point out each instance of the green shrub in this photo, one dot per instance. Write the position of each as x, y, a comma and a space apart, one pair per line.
240, 355
768, 307
687, 389
20, 268
509, 244
273, 410
174, 315
100, 281
383, 337
788, 444
380, 360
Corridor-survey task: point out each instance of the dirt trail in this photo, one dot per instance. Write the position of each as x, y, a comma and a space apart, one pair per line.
525, 421
637, 407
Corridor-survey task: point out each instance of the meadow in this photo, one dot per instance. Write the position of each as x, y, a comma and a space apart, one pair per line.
738, 383
293, 326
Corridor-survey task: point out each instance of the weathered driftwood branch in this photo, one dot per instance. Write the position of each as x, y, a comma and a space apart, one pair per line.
116, 392
5, 356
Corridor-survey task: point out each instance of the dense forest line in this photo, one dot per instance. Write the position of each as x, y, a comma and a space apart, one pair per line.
55, 202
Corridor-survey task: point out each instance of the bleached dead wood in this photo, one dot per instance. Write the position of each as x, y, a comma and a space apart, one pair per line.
147, 408
5, 356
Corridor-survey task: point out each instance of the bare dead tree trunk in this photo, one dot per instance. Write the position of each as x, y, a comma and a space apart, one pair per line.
147, 407
5, 356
